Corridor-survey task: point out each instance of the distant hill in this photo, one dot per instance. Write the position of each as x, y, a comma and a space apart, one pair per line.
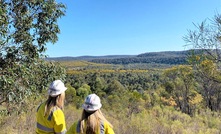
87, 58
175, 60
164, 54
167, 57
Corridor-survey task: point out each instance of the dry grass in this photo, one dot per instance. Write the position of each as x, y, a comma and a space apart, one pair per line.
153, 121
22, 124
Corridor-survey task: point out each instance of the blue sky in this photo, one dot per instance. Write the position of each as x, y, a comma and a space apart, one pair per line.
128, 27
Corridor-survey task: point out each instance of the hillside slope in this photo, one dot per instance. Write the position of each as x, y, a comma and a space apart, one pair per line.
86, 58
167, 57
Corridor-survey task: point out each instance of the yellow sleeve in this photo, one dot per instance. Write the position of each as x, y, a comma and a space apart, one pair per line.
108, 129
59, 121
73, 128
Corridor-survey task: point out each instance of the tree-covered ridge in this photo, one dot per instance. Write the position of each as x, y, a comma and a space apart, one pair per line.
152, 59
86, 58
164, 54
166, 57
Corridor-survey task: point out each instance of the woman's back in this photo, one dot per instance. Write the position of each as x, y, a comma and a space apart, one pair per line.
53, 122
50, 117
92, 120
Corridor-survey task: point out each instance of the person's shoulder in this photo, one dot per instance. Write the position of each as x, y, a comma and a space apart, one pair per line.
42, 105
108, 128
75, 124
57, 111
105, 123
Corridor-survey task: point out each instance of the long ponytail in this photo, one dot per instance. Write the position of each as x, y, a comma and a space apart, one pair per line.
93, 121
52, 102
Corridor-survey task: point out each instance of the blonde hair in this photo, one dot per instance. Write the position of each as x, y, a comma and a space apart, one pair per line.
57, 101
93, 121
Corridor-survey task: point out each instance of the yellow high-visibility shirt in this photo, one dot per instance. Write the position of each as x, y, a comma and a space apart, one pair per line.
104, 128
52, 123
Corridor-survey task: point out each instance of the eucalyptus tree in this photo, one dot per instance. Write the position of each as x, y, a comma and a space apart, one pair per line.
180, 82
205, 41
206, 58
26, 26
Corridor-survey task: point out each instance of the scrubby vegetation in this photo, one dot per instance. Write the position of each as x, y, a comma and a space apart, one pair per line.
173, 100
135, 101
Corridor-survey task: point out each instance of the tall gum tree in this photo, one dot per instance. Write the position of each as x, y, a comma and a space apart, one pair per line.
205, 58
26, 26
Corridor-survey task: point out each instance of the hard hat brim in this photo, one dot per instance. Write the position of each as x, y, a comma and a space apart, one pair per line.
91, 107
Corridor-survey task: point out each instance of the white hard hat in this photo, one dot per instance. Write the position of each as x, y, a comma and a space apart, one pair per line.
92, 103
56, 87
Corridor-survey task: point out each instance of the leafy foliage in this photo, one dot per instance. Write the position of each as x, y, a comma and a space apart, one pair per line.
26, 27
206, 38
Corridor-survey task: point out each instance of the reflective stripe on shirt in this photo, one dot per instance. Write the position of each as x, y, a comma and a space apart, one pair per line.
78, 127
63, 132
51, 113
102, 127
39, 126
39, 106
